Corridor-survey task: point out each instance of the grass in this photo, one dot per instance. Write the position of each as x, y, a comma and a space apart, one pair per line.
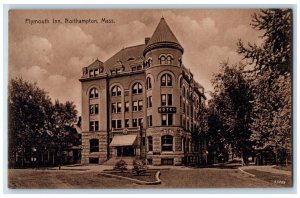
277, 179
148, 177
171, 178
286, 168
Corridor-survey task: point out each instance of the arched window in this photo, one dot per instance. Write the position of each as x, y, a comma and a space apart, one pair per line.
94, 145
94, 93
148, 83
148, 63
167, 143
166, 80
116, 91
137, 88
162, 60
169, 60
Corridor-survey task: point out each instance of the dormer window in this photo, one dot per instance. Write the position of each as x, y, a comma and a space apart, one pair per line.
131, 59
118, 70
96, 72
137, 68
148, 63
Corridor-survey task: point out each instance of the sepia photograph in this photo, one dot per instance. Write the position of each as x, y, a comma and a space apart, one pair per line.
150, 98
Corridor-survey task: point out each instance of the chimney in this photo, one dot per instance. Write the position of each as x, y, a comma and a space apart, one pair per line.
147, 40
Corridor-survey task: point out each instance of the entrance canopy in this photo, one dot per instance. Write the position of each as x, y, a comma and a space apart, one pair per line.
123, 140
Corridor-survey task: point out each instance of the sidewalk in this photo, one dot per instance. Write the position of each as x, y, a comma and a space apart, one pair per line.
269, 169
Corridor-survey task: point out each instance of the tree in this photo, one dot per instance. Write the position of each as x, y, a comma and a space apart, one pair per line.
29, 108
275, 53
230, 111
62, 120
271, 80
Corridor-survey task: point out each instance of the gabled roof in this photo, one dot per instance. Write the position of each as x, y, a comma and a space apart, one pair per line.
163, 37
96, 63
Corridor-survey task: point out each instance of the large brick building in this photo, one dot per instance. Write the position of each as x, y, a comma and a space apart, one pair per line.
142, 102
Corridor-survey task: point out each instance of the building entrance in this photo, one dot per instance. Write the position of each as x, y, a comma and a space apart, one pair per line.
125, 151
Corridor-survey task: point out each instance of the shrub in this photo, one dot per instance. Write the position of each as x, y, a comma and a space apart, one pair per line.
121, 166
139, 167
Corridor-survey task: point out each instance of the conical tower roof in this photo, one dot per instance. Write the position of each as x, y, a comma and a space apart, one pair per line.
163, 37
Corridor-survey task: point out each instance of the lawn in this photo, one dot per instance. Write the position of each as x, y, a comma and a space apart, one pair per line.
149, 176
280, 180
171, 178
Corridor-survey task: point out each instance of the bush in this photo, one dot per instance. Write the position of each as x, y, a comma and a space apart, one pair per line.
139, 167
121, 166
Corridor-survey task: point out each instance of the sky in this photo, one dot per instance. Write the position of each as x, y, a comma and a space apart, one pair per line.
53, 55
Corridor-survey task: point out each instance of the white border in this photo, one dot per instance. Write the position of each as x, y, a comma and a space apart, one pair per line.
206, 4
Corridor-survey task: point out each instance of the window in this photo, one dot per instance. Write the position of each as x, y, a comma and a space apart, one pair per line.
94, 109
94, 93
134, 122
140, 107
150, 143
166, 99
94, 160
126, 106
116, 91
149, 101
119, 124
137, 88
149, 120
167, 161
94, 125
148, 83
166, 119
113, 72
183, 123
139, 68
167, 143
183, 92
148, 63
118, 70
166, 80
94, 145
126, 123
119, 107
169, 60
91, 73
169, 101
116, 107
141, 121
96, 72
162, 60
137, 105
116, 124
165, 60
